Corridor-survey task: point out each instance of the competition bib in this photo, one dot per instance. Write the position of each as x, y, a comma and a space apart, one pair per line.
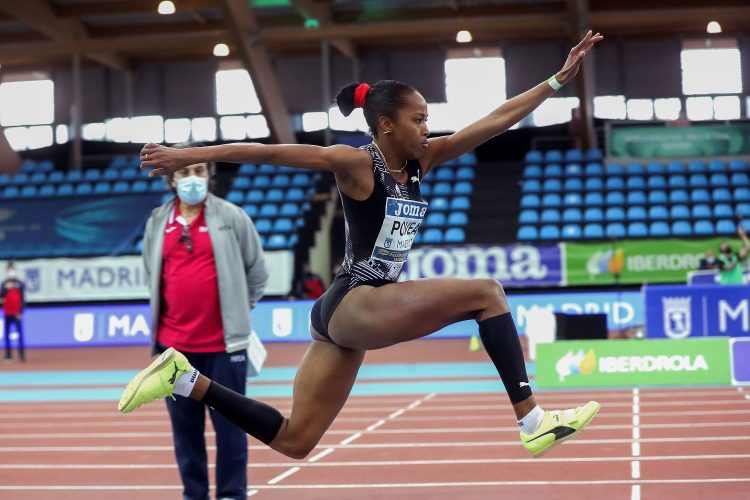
400, 226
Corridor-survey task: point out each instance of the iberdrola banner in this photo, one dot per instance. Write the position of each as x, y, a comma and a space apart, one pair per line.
679, 142
636, 261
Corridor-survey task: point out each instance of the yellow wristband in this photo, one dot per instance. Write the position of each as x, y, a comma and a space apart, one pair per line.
554, 83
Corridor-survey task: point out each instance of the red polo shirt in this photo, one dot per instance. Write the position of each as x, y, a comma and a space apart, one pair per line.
12, 304
190, 317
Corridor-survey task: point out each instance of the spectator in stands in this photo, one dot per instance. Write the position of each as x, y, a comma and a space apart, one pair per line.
367, 307
13, 300
731, 264
708, 262
309, 285
206, 271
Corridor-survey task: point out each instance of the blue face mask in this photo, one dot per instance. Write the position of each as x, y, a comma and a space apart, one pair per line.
192, 190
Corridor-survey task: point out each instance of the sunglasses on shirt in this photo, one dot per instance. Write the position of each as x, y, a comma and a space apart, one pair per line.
185, 236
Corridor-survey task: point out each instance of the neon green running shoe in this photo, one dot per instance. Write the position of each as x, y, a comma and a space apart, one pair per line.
557, 427
156, 381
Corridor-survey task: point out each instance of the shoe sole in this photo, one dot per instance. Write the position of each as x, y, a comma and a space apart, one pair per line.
570, 436
134, 385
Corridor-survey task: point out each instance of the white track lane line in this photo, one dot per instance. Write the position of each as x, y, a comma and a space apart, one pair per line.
635, 465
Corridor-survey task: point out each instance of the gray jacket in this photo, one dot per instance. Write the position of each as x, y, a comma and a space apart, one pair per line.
240, 266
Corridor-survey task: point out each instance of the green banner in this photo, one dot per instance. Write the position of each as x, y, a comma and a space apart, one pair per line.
636, 261
676, 142
614, 363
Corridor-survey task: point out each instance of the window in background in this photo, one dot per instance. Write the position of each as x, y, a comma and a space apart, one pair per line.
30, 102
712, 70
727, 107
610, 107
61, 134
640, 109
667, 108
470, 73
118, 129
93, 131
40, 136
177, 130
257, 127
353, 122
699, 108
314, 121
554, 110
235, 93
18, 137
145, 129
204, 129
233, 128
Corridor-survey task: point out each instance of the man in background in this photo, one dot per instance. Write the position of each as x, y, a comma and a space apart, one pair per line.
731, 263
12, 298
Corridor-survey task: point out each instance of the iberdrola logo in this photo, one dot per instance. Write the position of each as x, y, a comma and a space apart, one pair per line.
611, 262
576, 364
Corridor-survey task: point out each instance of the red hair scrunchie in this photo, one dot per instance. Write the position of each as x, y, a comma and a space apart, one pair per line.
360, 93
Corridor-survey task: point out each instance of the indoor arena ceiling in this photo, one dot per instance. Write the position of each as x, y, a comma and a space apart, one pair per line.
122, 33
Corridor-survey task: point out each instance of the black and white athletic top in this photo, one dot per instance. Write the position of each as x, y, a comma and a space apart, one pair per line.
381, 229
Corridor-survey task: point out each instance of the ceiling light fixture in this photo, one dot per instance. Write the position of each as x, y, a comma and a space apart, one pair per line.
464, 36
221, 50
713, 27
166, 7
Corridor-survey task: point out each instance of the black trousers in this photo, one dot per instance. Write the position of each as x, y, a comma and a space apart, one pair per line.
14, 320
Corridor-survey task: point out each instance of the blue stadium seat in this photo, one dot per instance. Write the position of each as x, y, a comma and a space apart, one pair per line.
571, 232
84, 188
698, 180
167, 197
615, 198
468, 158
254, 196
457, 219
38, 178
553, 156
675, 167
573, 170
553, 170
432, 235
637, 230
720, 180
682, 228
657, 197
696, 167
699, 196
128, 174
635, 169
551, 200
140, 186
737, 165
241, 182
658, 229
455, 235
529, 201
549, 232
465, 174
573, 184
572, 215
594, 168
533, 156
614, 214
701, 211
636, 213
46, 191
593, 154
742, 194
442, 189
657, 212
435, 219
261, 181
594, 184
614, 169
444, 174
294, 194
300, 179
615, 230
247, 169
111, 174
119, 161
526, 233
528, 216
636, 182
65, 189
531, 186
636, 198
552, 185
593, 214
267, 169
425, 189
263, 225
92, 174
56, 176
726, 226
593, 231
677, 181
28, 192
275, 195
657, 182
532, 171
716, 165
720, 195
441, 203
268, 210
250, 210
235, 197
679, 196
593, 199
276, 241
679, 212
462, 188
745, 225
280, 180
743, 210
45, 166
28, 166
460, 203
102, 187
703, 227
157, 185
573, 155
655, 168
20, 179
723, 211
550, 215
614, 183
283, 225
740, 179
289, 210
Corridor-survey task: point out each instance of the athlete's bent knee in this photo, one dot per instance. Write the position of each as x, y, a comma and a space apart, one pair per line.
495, 295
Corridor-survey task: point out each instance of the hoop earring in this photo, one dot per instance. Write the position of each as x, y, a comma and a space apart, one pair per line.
387, 131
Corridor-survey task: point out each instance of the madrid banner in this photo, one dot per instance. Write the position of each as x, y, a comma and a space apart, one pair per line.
679, 142
616, 363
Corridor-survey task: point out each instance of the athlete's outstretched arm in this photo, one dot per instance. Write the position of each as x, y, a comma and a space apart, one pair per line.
509, 113
163, 159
